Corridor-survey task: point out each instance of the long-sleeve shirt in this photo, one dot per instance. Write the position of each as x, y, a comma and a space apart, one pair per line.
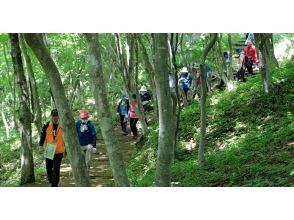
132, 113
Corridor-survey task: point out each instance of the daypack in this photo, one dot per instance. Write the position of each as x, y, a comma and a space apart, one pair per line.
186, 81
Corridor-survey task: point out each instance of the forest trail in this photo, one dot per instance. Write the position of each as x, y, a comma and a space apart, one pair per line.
100, 171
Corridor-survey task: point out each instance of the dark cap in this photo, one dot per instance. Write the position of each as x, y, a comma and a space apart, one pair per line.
54, 112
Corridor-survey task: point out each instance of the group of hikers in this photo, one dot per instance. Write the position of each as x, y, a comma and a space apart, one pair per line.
51, 139
126, 109
189, 82
189, 86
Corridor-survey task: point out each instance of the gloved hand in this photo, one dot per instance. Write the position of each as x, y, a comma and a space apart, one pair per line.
126, 118
40, 149
90, 147
94, 150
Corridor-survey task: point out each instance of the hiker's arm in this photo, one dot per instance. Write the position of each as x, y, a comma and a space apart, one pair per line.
94, 136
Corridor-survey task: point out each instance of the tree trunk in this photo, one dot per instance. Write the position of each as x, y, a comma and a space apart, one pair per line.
166, 125
69, 132
104, 115
5, 125
131, 40
203, 100
273, 60
150, 74
26, 149
36, 107
13, 88
230, 70
263, 43
175, 97
126, 61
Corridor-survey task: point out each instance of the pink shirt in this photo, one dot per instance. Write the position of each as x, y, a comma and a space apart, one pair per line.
132, 113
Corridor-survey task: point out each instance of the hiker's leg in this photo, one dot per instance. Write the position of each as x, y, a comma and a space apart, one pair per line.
132, 124
135, 126
56, 169
124, 125
49, 169
88, 157
122, 121
84, 150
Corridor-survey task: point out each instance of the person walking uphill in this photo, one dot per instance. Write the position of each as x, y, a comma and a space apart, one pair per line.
250, 56
51, 135
133, 116
122, 109
87, 136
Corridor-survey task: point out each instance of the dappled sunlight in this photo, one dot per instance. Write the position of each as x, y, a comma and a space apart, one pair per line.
90, 101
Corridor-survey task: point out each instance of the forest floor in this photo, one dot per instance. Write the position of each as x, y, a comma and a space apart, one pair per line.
100, 170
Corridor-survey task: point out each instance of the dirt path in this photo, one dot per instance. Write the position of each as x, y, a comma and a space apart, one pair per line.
100, 171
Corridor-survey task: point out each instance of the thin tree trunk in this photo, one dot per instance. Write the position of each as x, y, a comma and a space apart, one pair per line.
5, 125
165, 152
36, 107
273, 60
70, 136
150, 74
230, 70
13, 88
263, 43
104, 116
126, 59
203, 100
175, 97
131, 41
26, 150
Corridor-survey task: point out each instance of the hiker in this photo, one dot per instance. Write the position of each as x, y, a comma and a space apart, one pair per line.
123, 109
51, 135
145, 97
208, 73
133, 116
250, 56
241, 68
87, 136
185, 81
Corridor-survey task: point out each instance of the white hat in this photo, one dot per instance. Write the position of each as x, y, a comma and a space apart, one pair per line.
143, 89
184, 70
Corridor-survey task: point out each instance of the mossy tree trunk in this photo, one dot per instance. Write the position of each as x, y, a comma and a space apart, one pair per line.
26, 149
263, 43
203, 99
69, 131
104, 113
126, 58
165, 152
36, 108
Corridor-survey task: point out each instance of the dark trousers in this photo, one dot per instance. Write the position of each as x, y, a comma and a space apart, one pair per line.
133, 125
123, 123
186, 92
53, 169
248, 64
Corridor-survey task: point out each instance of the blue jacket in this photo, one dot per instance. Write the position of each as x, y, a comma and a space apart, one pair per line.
185, 80
86, 133
123, 107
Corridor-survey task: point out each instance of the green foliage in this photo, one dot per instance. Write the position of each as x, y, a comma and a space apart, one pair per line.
250, 138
